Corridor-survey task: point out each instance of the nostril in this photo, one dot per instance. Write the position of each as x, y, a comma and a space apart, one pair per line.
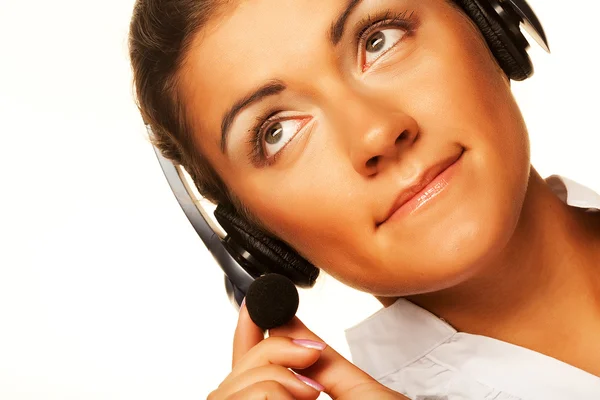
403, 135
372, 162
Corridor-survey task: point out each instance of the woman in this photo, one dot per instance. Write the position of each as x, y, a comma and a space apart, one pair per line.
318, 126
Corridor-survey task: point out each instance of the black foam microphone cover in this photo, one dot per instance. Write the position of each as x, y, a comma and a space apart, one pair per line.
272, 300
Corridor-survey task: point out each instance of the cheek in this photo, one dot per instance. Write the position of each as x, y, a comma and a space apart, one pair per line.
480, 226
451, 241
455, 242
318, 207
475, 108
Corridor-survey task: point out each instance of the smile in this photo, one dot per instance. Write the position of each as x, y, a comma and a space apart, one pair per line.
429, 186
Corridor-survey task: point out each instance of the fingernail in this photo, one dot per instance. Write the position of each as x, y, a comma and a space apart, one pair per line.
310, 382
310, 344
243, 302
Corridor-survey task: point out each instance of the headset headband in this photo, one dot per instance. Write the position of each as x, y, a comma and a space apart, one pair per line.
201, 223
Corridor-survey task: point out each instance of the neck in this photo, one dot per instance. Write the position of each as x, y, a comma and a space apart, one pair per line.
543, 291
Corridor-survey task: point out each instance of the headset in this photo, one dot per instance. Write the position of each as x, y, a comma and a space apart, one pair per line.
244, 253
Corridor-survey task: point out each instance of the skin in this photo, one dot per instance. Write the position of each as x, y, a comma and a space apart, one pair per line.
489, 255
260, 367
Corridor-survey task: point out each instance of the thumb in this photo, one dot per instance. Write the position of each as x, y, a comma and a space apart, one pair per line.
338, 375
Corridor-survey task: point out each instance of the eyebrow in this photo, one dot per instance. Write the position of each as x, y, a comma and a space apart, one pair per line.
276, 86
337, 28
270, 89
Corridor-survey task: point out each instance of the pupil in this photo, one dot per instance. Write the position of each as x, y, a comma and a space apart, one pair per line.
376, 42
274, 134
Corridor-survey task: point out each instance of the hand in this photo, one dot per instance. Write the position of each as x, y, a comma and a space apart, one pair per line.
260, 367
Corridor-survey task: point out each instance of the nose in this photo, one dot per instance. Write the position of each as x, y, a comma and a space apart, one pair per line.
376, 135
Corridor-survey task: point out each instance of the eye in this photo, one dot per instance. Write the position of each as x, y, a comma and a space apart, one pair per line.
380, 42
278, 134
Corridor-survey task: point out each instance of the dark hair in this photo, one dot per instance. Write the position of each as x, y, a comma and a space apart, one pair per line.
160, 35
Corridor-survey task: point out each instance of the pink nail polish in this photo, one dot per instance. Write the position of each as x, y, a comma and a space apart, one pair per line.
310, 344
310, 383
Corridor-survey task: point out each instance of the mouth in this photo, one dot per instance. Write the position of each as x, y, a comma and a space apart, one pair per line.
428, 184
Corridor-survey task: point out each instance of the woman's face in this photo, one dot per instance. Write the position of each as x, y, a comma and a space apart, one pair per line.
318, 115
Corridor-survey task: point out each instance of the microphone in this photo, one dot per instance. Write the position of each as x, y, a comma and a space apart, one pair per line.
272, 300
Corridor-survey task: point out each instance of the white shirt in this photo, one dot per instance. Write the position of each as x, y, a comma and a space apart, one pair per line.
415, 353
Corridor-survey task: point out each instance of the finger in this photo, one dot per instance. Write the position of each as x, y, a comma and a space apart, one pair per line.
298, 386
247, 335
266, 390
284, 351
332, 370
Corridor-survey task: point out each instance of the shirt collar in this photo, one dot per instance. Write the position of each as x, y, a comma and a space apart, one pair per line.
573, 193
403, 325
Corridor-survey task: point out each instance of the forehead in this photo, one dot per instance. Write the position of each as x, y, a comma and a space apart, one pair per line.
261, 28
251, 42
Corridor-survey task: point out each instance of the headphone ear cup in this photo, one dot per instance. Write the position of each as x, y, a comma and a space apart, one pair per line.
511, 56
273, 255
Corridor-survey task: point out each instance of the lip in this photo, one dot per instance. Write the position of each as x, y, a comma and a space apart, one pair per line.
428, 185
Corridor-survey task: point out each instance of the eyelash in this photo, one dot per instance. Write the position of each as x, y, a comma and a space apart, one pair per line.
256, 149
387, 18
368, 24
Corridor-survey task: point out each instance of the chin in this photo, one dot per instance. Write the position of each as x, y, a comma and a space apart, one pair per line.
453, 253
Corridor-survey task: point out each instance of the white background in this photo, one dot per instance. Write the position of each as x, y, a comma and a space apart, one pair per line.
105, 290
